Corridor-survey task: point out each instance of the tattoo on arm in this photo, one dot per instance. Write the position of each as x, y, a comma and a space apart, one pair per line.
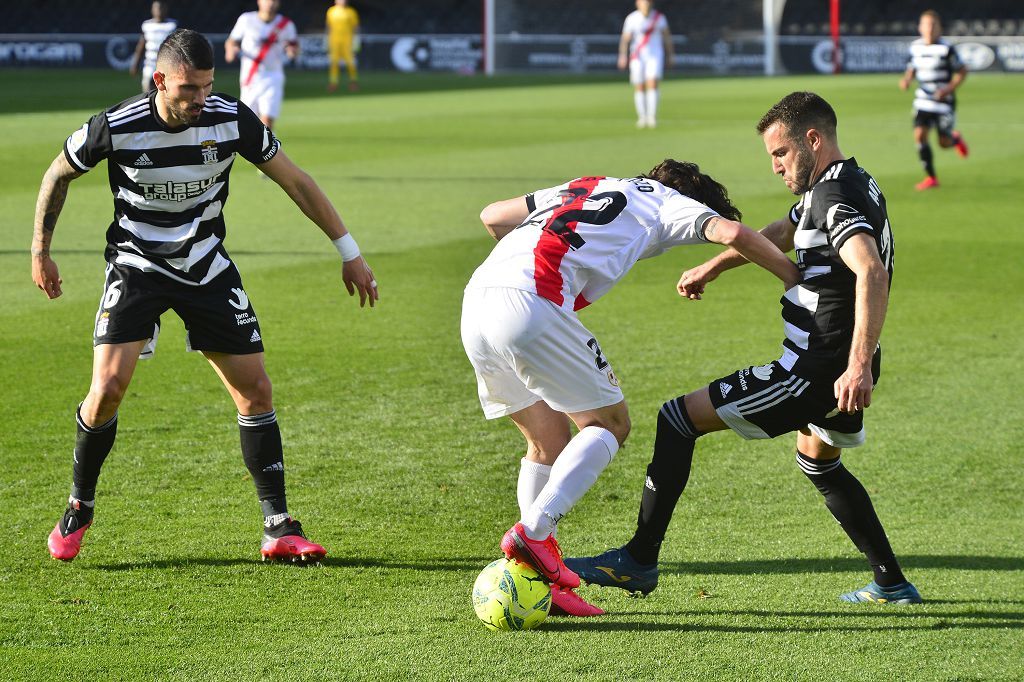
709, 230
52, 193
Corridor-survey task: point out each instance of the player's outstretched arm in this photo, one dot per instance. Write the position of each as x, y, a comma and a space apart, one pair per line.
502, 217
311, 200
52, 193
231, 48
908, 76
753, 246
853, 388
693, 281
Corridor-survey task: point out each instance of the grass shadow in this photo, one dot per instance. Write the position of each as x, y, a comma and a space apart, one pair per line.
843, 564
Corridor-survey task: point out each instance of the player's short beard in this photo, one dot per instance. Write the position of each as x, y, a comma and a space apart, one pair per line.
804, 166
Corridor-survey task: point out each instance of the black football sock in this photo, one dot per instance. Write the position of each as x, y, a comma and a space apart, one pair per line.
849, 503
924, 152
92, 445
264, 458
667, 475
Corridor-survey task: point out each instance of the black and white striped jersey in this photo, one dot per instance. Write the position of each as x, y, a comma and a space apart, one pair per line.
819, 312
154, 32
170, 185
934, 65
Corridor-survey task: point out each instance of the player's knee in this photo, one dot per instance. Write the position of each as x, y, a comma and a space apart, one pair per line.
945, 142
257, 397
107, 392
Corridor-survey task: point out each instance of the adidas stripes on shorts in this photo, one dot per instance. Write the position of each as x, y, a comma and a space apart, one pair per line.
769, 400
217, 315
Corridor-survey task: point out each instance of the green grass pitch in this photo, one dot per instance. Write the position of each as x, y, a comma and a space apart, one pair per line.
392, 466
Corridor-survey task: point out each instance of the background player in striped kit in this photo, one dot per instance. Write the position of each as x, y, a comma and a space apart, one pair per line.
169, 154
939, 73
646, 48
264, 38
559, 250
830, 362
154, 31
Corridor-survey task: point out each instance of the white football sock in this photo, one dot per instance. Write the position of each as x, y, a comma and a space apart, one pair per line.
533, 476
572, 475
638, 102
652, 104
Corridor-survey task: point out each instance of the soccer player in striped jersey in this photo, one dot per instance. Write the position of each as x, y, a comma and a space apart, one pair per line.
169, 154
646, 49
559, 250
154, 31
939, 72
264, 39
830, 362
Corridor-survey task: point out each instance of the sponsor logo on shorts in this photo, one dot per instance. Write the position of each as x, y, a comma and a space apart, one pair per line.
102, 323
612, 379
243, 300
764, 372
742, 375
242, 319
649, 484
255, 336
725, 388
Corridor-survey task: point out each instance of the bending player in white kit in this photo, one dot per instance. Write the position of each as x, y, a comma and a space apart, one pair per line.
264, 38
646, 46
560, 249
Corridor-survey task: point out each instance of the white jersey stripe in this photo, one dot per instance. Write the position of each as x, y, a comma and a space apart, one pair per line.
159, 139
803, 297
218, 266
116, 117
797, 335
153, 233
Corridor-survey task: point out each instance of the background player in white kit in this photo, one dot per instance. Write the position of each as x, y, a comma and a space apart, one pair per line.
560, 249
154, 31
264, 38
646, 47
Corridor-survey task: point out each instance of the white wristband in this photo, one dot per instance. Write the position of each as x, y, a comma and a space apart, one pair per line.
347, 247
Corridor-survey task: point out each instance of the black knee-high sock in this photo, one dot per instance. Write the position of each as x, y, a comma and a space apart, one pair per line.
667, 475
851, 506
264, 458
924, 152
92, 445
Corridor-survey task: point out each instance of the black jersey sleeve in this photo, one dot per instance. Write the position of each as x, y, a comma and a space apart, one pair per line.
256, 142
840, 212
955, 63
89, 145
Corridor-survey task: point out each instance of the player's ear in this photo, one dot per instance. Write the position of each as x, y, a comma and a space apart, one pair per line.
814, 139
160, 79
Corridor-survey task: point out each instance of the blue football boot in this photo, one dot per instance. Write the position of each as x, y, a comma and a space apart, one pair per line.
904, 593
616, 568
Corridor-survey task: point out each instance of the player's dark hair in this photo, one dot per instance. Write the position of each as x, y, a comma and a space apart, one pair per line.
686, 178
798, 112
185, 47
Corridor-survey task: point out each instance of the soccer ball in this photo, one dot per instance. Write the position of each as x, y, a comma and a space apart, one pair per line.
511, 596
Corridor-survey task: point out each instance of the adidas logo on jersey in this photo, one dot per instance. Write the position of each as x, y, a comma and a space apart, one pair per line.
143, 160
255, 336
725, 388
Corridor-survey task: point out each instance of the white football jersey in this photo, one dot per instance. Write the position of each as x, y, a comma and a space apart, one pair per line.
583, 236
262, 43
645, 32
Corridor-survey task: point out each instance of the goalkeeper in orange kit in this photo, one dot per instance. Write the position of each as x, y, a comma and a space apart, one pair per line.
342, 43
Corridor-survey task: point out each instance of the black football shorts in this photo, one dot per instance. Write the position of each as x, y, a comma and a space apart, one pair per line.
768, 400
944, 123
218, 316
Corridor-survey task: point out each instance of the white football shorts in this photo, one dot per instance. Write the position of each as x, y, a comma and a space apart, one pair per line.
264, 93
524, 349
643, 69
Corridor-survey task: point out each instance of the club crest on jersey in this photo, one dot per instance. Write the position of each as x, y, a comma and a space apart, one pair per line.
209, 151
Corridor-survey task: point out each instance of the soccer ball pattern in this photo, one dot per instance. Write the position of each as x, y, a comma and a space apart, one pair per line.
511, 596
